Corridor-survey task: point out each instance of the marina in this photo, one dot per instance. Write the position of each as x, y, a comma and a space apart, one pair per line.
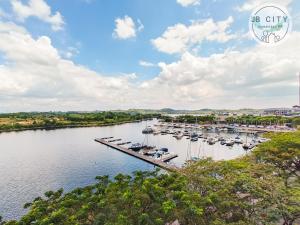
196, 137
70, 158
157, 162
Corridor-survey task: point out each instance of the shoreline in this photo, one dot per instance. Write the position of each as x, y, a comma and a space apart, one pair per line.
68, 126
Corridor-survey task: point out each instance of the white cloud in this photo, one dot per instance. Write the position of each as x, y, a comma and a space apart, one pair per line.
186, 3
255, 77
35, 77
126, 28
179, 38
146, 64
39, 9
252, 4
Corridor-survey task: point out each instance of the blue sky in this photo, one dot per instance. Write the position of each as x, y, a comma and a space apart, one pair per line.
89, 26
167, 38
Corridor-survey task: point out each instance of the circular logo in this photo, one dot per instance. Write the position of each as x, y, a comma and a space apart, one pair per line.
270, 24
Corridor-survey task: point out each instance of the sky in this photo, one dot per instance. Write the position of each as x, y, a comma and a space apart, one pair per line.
62, 55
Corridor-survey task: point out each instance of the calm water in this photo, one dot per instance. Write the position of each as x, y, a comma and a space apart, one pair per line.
33, 162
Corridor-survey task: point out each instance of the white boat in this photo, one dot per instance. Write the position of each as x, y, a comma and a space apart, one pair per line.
194, 138
238, 140
179, 136
147, 130
229, 142
156, 132
211, 140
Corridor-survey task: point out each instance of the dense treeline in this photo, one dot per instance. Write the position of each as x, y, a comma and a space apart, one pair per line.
244, 119
190, 119
264, 120
21, 121
261, 188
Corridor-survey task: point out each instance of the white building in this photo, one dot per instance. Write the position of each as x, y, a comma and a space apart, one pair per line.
278, 111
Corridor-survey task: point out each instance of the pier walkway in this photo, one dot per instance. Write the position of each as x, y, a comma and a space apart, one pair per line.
157, 162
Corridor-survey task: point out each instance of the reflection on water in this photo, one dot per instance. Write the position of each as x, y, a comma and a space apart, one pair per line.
32, 162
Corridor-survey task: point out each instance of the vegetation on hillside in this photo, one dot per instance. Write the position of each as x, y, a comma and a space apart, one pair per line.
190, 119
244, 119
261, 188
50, 120
264, 120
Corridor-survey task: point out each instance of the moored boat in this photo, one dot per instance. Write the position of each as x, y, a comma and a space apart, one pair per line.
211, 141
136, 146
147, 130
229, 142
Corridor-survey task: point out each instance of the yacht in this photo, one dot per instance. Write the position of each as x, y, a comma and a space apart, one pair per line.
136, 147
163, 132
223, 142
211, 141
229, 142
238, 140
147, 130
194, 138
156, 132
179, 136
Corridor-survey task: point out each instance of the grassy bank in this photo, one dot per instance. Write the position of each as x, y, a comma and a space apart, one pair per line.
50, 120
261, 188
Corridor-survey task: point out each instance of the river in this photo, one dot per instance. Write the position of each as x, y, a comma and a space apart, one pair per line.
33, 162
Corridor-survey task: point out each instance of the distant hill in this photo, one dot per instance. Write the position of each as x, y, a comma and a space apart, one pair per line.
198, 111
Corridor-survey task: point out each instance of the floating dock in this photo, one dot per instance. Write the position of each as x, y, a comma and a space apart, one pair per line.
157, 162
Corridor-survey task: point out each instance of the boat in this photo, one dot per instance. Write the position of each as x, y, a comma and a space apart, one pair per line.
179, 136
136, 146
148, 147
223, 142
149, 152
246, 146
160, 152
229, 142
238, 140
156, 132
164, 150
221, 139
163, 132
195, 159
194, 135
194, 138
200, 135
147, 130
211, 141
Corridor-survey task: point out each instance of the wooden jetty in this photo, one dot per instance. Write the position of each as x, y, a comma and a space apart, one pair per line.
157, 162
168, 157
113, 140
124, 143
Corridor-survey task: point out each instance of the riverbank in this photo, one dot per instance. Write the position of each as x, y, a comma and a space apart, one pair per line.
49, 121
69, 126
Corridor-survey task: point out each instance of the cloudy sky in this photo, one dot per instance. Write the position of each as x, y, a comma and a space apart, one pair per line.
103, 54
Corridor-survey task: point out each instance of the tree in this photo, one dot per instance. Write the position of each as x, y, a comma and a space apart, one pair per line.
283, 152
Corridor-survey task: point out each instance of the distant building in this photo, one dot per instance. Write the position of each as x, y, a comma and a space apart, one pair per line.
278, 111
296, 108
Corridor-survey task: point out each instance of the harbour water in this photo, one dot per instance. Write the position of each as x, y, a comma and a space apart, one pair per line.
33, 162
